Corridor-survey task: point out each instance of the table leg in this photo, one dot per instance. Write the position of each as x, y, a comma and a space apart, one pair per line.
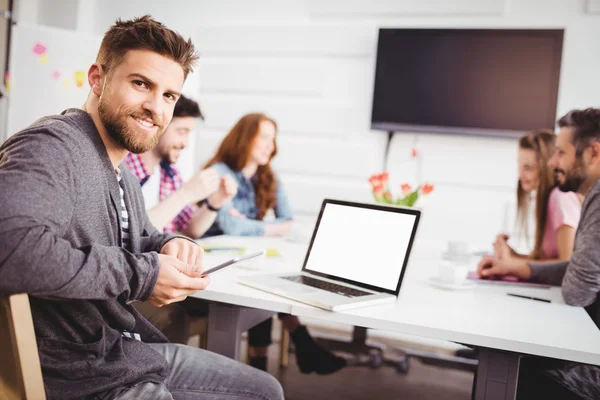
226, 323
497, 375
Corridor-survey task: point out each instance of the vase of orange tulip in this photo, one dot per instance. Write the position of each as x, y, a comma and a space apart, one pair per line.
408, 196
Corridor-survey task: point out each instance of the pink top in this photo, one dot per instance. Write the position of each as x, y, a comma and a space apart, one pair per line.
563, 209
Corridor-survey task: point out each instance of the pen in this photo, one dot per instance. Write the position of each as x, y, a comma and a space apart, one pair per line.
528, 297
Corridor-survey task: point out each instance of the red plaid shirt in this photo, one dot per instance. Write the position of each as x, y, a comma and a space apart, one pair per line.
170, 182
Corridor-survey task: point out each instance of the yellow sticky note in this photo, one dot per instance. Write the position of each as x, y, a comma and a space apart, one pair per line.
271, 252
44, 59
66, 83
79, 78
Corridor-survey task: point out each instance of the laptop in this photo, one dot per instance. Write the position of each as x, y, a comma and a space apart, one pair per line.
357, 257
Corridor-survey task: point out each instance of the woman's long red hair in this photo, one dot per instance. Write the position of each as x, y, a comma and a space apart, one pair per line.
235, 150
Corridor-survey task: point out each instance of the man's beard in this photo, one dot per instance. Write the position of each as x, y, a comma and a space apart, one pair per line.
574, 179
122, 134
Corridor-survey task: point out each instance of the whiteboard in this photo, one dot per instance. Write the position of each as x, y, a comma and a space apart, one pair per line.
34, 91
43, 66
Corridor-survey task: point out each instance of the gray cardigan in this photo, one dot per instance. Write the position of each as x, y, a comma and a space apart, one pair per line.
60, 235
580, 281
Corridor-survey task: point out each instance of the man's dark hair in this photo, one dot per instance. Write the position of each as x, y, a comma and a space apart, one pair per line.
187, 108
145, 33
586, 124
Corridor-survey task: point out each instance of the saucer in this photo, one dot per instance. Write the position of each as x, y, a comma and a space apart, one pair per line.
453, 257
437, 282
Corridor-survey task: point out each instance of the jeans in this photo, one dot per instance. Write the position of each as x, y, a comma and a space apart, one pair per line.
200, 374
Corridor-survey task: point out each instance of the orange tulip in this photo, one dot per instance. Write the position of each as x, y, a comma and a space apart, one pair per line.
427, 188
374, 180
378, 190
387, 195
414, 153
406, 188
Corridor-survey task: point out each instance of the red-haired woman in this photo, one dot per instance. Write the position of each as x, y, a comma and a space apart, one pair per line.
245, 154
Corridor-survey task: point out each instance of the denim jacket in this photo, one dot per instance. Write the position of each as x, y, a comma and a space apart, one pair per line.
244, 201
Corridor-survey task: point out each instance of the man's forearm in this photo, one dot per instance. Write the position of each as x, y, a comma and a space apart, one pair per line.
202, 219
166, 211
36, 261
551, 273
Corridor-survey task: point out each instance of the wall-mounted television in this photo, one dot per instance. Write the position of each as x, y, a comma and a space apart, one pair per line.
492, 82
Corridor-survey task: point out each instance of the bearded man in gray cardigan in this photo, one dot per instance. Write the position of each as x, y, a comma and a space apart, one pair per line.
576, 163
75, 235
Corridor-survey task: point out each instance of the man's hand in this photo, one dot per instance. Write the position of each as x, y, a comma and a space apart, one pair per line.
227, 189
492, 266
201, 185
173, 282
188, 253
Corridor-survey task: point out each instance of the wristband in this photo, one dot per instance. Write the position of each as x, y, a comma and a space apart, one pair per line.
211, 208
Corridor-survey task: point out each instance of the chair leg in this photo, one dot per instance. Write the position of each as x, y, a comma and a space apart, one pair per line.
197, 326
248, 356
284, 350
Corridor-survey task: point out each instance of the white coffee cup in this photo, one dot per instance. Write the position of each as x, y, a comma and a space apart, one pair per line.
451, 272
457, 251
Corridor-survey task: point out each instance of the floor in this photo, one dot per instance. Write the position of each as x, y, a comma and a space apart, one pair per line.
423, 382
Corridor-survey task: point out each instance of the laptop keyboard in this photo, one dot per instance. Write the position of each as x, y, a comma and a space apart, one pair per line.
324, 285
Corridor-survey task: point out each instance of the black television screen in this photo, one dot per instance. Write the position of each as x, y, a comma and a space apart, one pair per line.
466, 81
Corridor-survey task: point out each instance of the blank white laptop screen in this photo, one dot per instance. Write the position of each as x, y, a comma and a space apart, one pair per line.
360, 244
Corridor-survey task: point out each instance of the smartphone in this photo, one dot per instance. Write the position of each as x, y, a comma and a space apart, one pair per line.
231, 262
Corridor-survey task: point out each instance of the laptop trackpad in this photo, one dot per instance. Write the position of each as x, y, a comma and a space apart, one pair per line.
294, 287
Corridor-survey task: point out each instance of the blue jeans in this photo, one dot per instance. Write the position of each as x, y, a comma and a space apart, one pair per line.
200, 374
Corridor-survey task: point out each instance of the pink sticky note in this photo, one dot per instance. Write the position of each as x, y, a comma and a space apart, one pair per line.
39, 49
56, 74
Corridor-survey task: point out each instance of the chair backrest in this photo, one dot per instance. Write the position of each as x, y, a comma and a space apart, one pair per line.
20, 370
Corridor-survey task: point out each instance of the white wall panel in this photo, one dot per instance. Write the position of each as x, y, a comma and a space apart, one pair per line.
474, 215
469, 160
307, 192
337, 158
401, 165
593, 6
379, 8
276, 78
287, 40
357, 158
293, 115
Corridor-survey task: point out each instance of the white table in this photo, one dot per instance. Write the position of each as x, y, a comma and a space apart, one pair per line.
500, 326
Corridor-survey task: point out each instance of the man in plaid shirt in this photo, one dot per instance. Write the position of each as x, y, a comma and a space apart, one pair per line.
175, 206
